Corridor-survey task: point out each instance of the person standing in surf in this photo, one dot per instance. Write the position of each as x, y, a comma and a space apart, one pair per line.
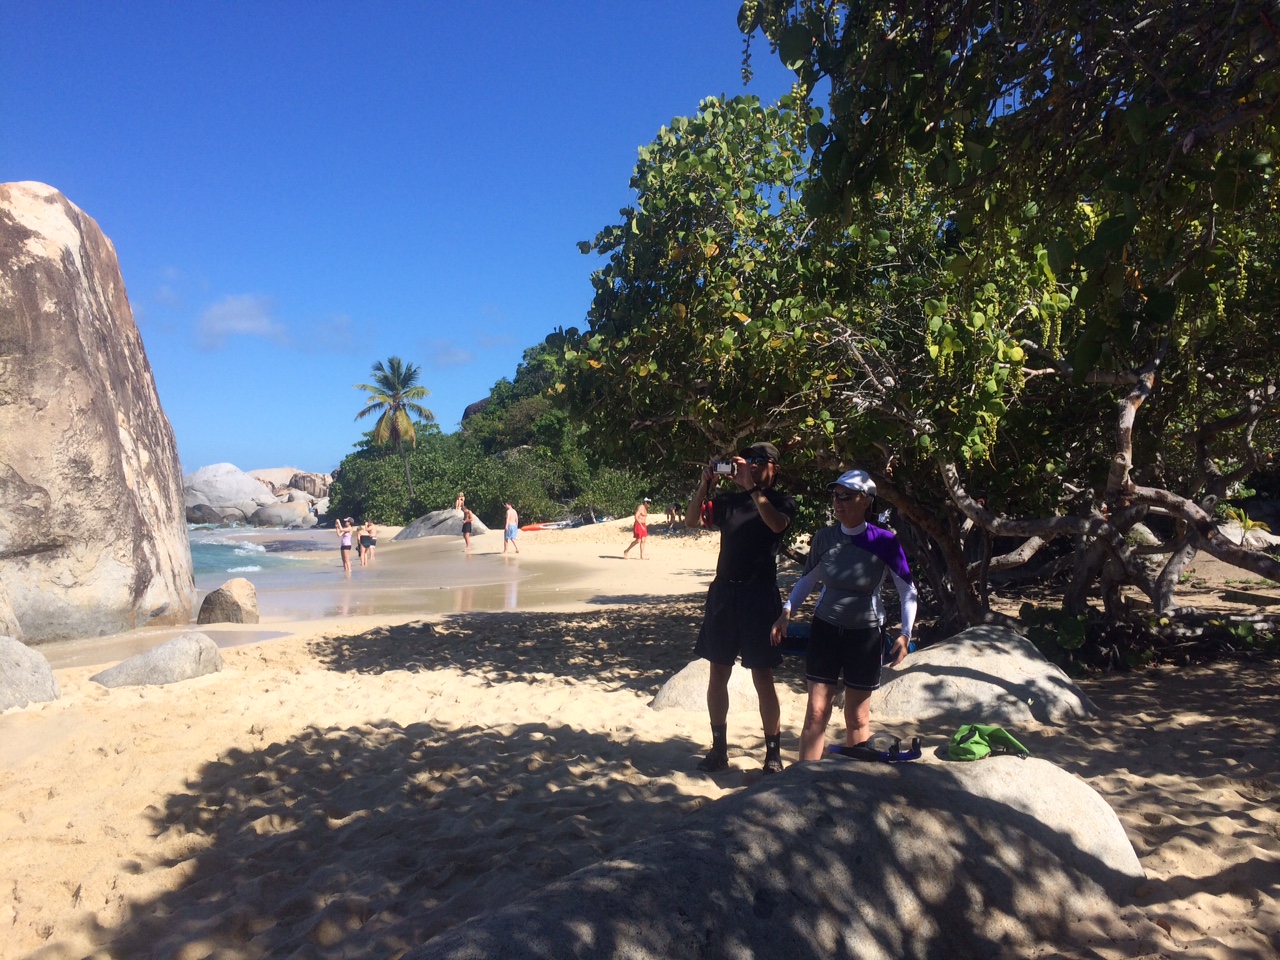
467, 519
511, 529
345, 530
743, 601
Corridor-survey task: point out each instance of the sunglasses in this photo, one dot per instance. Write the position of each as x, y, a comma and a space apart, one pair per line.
844, 497
758, 461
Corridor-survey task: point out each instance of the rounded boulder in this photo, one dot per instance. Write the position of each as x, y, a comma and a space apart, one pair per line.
236, 601
985, 674
25, 676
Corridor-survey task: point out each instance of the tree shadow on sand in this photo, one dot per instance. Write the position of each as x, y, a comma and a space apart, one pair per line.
828, 860
632, 648
365, 842
361, 842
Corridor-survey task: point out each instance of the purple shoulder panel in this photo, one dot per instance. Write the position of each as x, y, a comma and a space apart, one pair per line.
884, 544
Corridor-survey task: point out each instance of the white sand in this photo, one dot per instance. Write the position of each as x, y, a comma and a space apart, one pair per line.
360, 786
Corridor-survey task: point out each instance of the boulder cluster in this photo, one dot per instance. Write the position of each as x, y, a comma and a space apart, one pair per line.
223, 493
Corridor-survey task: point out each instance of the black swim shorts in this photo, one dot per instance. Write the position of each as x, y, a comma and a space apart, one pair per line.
738, 618
854, 651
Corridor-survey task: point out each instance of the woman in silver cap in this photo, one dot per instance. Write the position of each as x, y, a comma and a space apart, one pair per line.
851, 559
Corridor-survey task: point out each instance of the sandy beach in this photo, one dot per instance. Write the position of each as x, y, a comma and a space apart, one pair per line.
352, 785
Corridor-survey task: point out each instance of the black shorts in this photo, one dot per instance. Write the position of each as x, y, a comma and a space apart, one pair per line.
854, 651
737, 623
466, 527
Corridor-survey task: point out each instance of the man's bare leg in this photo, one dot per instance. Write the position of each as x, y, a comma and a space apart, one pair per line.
717, 757
770, 718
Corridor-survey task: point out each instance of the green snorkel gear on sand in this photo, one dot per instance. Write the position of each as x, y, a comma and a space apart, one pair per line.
974, 741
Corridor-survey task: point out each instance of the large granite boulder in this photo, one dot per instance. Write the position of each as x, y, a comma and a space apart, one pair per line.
998, 858
981, 675
203, 513
224, 486
295, 514
687, 690
276, 478
236, 601
9, 626
92, 534
316, 484
182, 658
440, 523
25, 676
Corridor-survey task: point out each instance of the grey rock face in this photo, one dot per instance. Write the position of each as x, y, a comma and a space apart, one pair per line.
996, 858
687, 690
981, 675
9, 626
294, 514
440, 523
316, 484
92, 534
224, 486
203, 513
25, 676
182, 658
236, 601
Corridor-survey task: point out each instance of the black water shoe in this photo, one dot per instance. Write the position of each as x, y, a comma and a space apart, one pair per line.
717, 759
772, 760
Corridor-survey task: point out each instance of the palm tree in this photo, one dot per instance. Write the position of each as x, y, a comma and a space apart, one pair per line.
392, 396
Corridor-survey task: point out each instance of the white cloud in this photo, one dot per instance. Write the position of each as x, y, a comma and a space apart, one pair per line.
336, 334
447, 353
168, 296
241, 314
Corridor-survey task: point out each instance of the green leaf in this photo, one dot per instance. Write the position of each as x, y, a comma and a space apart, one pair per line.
794, 45
1061, 255
817, 135
1113, 233
1162, 305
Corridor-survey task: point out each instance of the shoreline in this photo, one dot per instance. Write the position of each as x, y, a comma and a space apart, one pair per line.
425, 579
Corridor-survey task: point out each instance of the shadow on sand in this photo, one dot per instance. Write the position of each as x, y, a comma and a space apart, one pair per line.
634, 648
361, 842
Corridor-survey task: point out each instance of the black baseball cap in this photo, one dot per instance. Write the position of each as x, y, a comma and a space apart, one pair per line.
762, 449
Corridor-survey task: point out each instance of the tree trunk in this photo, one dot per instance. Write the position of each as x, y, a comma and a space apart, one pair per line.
1167, 582
405, 457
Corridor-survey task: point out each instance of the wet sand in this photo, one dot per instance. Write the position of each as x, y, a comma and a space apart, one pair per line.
368, 781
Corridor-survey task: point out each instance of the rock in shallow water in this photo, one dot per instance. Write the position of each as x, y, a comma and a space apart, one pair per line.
182, 658
236, 601
25, 676
225, 487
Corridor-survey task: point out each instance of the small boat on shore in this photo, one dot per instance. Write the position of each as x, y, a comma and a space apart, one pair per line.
553, 525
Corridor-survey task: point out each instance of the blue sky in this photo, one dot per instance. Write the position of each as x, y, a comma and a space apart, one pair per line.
296, 190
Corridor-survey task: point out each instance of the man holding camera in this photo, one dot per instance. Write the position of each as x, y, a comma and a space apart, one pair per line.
743, 600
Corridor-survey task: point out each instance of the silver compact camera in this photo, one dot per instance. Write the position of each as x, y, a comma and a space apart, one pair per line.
725, 468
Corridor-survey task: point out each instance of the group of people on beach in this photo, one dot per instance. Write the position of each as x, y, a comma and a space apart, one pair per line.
510, 529
746, 618
364, 537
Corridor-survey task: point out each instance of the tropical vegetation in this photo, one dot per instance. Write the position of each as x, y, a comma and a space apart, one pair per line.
394, 396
